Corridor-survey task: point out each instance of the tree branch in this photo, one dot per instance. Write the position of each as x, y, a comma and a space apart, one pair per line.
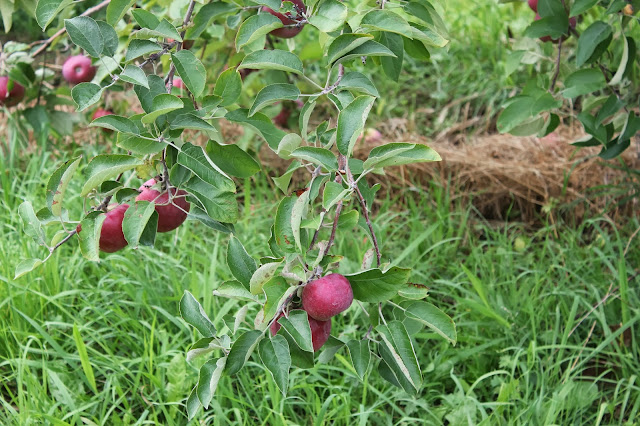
63, 30
557, 71
342, 165
169, 79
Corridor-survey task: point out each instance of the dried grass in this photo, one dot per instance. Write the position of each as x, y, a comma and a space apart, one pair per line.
527, 179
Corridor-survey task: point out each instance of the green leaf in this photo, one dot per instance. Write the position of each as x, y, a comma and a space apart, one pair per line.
218, 204
117, 9
195, 159
581, 6
433, 318
228, 87
589, 40
47, 10
242, 350
394, 154
139, 48
140, 224
210, 374
117, 123
375, 286
344, 44
107, 166
162, 104
283, 231
329, 16
283, 181
134, 75
191, 70
145, 18
193, 313
205, 15
58, 183
86, 94
232, 160
297, 213
273, 93
85, 33
241, 265
351, 122
288, 144
360, 355
26, 266
358, 82
262, 275
274, 353
276, 291
297, 327
318, 156
625, 60
333, 193
260, 123
234, 290
191, 121
275, 59
397, 343
193, 404
164, 29
6, 10
139, 145
109, 38
387, 21
90, 235
582, 82
392, 66
255, 27
31, 224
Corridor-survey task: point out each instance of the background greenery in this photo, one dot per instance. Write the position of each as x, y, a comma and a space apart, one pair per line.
537, 311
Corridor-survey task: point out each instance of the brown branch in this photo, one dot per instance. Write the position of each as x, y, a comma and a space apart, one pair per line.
62, 30
342, 165
557, 71
337, 82
365, 212
169, 79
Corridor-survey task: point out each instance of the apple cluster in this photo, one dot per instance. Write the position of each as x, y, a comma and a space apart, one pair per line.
322, 299
533, 4
171, 214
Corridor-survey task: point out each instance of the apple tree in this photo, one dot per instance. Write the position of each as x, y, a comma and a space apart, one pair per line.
583, 53
185, 69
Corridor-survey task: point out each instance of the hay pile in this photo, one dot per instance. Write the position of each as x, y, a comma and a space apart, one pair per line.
526, 179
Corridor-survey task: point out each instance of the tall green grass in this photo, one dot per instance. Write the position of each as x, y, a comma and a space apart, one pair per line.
101, 343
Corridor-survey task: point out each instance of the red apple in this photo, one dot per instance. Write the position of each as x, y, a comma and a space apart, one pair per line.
285, 18
101, 113
13, 96
170, 214
177, 82
111, 235
282, 118
533, 4
320, 331
327, 297
371, 136
78, 69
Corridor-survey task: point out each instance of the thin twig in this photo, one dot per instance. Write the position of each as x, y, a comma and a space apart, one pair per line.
331, 88
342, 164
365, 212
50, 40
557, 71
169, 79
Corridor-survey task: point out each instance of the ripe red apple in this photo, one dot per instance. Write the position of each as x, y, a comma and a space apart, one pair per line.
533, 4
13, 96
111, 235
320, 331
100, 112
327, 296
170, 215
78, 69
285, 18
177, 82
